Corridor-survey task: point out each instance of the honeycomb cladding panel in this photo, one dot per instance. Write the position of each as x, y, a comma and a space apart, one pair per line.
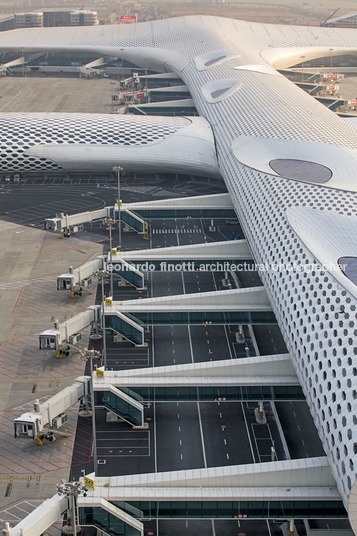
20, 132
191, 35
320, 333
320, 339
307, 304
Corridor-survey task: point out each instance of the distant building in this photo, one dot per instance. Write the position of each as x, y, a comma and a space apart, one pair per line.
70, 18
56, 18
28, 20
345, 21
83, 18
51, 18
7, 24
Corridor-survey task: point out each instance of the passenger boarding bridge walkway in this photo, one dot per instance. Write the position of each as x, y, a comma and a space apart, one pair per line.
124, 393
129, 317
217, 256
133, 215
236, 306
290, 489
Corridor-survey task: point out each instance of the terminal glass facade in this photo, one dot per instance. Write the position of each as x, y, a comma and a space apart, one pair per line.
212, 510
215, 394
103, 520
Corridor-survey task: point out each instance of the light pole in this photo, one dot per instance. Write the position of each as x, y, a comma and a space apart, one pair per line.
118, 169
111, 258
71, 490
110, 222
146, 79
89, 355
101, 275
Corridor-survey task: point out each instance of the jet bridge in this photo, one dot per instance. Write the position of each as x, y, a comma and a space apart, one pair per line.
198, 255
179, 107
48, 417
5, 68
218, 206
332, 103
236, 306
89, 69
128, 318
41, 519
159, 79
287, 489
71, 223
70, 330
81, 276
133, 215
217, 256
236, 380
270, 377
169, 93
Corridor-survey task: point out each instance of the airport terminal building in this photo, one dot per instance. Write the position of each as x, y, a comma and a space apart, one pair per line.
290, 167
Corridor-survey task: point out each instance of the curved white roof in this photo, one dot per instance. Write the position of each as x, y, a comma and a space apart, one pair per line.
329, 236
80, 142
259, 153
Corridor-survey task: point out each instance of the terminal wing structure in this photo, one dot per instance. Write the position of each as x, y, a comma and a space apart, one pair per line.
290, 166
96, 143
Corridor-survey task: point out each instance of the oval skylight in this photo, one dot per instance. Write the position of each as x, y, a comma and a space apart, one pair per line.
220, 89
348, 266
207, 60
301, 170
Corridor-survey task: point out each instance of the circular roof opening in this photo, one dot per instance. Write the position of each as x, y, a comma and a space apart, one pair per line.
301, 170
348, 266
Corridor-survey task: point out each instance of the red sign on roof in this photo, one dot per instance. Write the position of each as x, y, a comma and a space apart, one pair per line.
125, 19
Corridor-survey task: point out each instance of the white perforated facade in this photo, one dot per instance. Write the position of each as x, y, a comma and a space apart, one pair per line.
227, 66
53, 141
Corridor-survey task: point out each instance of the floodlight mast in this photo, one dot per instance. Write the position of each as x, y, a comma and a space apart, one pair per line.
110, 222
118, 169
102, 275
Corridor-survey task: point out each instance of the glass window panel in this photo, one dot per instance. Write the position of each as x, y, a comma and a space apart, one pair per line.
225, 509
194, 509
209, 509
